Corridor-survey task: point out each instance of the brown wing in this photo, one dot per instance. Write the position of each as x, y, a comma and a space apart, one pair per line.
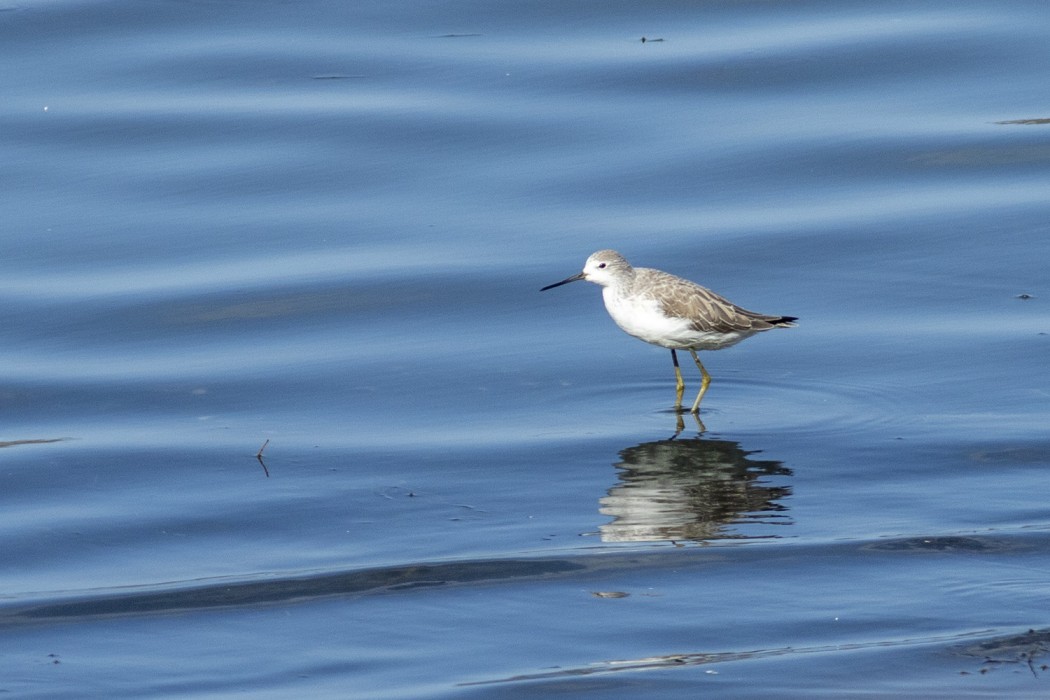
708, 311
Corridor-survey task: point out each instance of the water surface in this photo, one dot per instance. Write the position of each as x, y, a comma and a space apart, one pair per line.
325, 225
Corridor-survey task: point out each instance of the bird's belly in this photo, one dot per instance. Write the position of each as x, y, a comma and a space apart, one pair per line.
644, 319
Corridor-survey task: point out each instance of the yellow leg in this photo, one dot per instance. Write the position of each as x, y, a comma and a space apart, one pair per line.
680, 383
705, 381
679, 424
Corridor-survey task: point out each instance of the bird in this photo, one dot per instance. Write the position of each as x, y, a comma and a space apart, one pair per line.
672, 312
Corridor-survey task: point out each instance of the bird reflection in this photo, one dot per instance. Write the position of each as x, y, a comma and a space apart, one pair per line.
691, 489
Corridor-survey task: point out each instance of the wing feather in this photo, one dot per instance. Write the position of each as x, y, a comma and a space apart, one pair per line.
707, 310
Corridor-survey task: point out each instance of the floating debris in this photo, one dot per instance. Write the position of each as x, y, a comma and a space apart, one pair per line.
1027, 649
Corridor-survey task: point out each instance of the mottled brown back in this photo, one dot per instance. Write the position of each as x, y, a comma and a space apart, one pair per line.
708, 311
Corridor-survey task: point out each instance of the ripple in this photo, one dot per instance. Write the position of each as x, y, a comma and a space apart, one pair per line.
806, 407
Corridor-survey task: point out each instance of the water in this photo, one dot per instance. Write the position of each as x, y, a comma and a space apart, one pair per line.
325, 225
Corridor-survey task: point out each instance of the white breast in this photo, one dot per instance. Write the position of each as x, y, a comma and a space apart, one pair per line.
642, 318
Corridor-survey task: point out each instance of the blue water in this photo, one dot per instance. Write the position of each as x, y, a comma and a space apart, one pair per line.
320, 229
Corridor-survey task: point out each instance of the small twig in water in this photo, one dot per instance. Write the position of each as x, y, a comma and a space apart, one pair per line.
258, 456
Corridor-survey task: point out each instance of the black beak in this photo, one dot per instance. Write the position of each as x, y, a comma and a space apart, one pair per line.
564, 281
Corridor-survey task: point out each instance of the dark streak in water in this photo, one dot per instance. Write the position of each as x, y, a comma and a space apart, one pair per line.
12, 443
284, 590
299, 589
1025, 121
952, 544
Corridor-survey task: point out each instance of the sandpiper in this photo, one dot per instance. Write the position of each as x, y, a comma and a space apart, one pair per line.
671, 312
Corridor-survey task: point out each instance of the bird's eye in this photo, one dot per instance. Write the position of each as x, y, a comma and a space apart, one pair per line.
601, 266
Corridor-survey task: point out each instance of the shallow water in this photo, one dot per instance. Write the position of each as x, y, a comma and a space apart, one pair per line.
324, 225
